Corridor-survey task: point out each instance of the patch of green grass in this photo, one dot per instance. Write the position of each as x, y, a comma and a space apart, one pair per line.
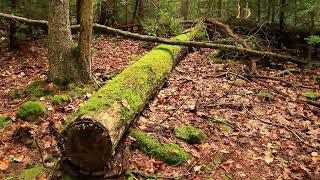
266, 96
32, 173
60, 99
4, 122
170, 153
311, 95
31, 110
190, 134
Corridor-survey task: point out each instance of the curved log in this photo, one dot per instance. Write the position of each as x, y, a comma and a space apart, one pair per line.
89, 142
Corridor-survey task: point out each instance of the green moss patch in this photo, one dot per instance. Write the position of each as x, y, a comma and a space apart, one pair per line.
224, 125
311, 95
31, 173
190, 134
170, 153
31, 110
266, 96
35, 89
4, 122
74, 90
60, 99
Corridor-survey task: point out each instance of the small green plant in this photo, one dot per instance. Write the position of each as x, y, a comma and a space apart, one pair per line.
313, 40
266, 96
170, 153
60, 99
4, 122
16, 93
31, 110
190, 134
311, 95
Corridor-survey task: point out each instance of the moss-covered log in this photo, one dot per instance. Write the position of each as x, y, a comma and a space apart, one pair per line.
89, 142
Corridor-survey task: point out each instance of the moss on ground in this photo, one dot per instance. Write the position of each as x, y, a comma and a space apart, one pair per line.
35, 89
190, 134
138, 82
266, 96
60, 99
74, 90
311, 95
32, 173
4, 121
170, 153
31, 110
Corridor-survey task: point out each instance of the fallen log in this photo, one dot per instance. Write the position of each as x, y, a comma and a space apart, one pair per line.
187, 43
90, 140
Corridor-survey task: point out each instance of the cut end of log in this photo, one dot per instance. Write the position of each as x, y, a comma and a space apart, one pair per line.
87, 145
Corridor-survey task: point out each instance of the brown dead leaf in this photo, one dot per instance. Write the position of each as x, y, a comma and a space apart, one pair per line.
4, 164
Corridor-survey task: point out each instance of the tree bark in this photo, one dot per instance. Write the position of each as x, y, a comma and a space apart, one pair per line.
13, 28
86, 23
185, 9
64, 64
90, 141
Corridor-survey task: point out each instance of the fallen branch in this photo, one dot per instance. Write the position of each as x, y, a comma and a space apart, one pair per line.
126, 34
269, 77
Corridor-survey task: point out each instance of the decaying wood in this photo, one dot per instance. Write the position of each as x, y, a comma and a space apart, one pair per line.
126, 34
91, 138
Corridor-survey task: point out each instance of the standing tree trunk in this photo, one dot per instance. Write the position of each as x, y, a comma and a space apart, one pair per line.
78, 11
259, 10
220, 8
282, 21
185, 9
86, 26
64, 64
13, 29
103, 12
273, 11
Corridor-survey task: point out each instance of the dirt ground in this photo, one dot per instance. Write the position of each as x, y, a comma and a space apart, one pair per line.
253, 138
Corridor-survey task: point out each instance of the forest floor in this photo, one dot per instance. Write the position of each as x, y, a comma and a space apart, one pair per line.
248, 137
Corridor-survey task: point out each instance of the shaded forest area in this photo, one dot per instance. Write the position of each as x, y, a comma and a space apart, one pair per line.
159, 89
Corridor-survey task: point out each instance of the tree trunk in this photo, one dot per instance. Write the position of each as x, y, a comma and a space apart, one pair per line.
220, 8
185, 9
259, 10
282, 21
273, 11
64, 65
103, 12
89, 142
86, 23
78, 11
13, 28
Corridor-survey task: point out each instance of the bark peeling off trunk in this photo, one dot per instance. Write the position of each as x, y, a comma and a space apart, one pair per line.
89, 142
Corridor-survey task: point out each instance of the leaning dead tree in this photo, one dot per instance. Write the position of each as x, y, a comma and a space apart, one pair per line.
118, 32
89, 141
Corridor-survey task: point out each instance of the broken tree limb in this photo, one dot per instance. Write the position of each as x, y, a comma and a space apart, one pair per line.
187, 43
90, 140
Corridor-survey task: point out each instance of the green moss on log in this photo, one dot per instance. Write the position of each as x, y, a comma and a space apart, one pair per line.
311, 95
170, 153
138, 82
190, 134
4, 121
31, 173
31, 110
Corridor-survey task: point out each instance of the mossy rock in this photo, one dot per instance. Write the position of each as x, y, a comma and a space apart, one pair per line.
190, 134
31, 110
266, 96
32, 173
60, 99
172, 154
311, 95
4, 122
